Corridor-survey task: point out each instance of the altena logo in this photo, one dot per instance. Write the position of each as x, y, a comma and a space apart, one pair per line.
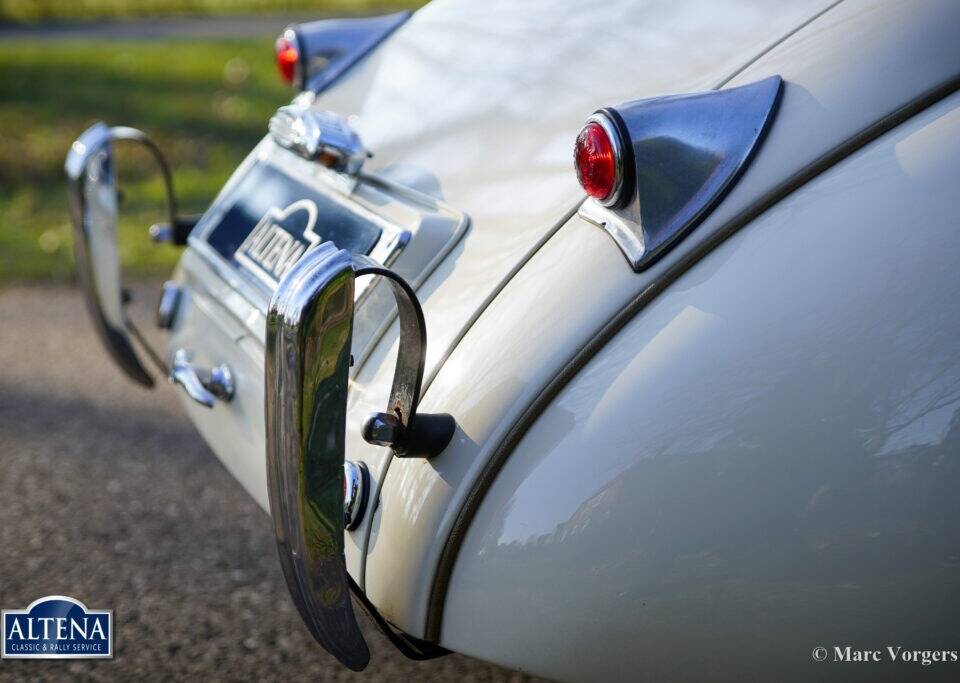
57, 627
274, 245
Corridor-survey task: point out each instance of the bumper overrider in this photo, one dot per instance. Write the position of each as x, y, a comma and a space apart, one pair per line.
91, 186
307, 361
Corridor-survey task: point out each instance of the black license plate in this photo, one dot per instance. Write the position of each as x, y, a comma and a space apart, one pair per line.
271, 220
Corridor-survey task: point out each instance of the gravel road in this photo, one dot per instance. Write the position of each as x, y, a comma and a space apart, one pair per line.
108, 495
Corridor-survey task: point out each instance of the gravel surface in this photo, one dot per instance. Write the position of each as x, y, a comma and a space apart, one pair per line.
110, 496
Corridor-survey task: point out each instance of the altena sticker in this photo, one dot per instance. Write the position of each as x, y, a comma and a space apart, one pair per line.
57, 627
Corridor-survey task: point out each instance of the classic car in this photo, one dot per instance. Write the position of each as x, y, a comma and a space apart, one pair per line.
612, 341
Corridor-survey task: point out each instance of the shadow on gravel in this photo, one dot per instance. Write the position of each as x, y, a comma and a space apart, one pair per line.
35, 415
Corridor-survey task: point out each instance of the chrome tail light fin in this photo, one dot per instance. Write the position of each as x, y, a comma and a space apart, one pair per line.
326, 49
680, 155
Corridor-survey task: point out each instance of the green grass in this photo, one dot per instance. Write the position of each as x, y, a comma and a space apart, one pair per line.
85, 10
205, 103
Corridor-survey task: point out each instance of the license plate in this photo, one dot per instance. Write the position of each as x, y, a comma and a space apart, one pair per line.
269, 220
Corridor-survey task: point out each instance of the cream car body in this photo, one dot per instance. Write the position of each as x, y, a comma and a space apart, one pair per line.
749, 446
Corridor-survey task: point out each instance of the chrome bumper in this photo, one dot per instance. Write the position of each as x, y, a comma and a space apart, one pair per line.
91, 186
308, 360
309, 329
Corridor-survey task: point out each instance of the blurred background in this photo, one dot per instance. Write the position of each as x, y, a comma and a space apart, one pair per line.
109, 494
196, 75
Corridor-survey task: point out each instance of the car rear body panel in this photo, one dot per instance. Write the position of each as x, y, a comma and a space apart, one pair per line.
831, 105
763, 461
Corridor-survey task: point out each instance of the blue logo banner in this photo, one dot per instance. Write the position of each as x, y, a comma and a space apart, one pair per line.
57, 627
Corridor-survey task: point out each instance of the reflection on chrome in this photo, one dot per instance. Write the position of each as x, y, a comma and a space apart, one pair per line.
354, 493
309, 330
318, 135
92, 189
307, 362
203, 386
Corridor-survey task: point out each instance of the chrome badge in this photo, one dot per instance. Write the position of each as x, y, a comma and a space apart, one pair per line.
278, 241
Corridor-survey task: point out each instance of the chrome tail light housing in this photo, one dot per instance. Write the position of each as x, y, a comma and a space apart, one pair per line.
672, 160
313, 55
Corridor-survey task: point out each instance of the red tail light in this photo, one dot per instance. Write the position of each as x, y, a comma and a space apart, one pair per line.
597, 158
288, 54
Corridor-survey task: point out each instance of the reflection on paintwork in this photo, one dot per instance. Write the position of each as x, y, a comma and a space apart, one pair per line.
568, 480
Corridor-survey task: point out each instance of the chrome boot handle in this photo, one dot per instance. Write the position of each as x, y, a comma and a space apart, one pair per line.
204, 387
309, 330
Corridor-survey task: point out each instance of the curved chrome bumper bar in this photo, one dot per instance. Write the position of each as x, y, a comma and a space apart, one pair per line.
309, 330
91, 185
307, 362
